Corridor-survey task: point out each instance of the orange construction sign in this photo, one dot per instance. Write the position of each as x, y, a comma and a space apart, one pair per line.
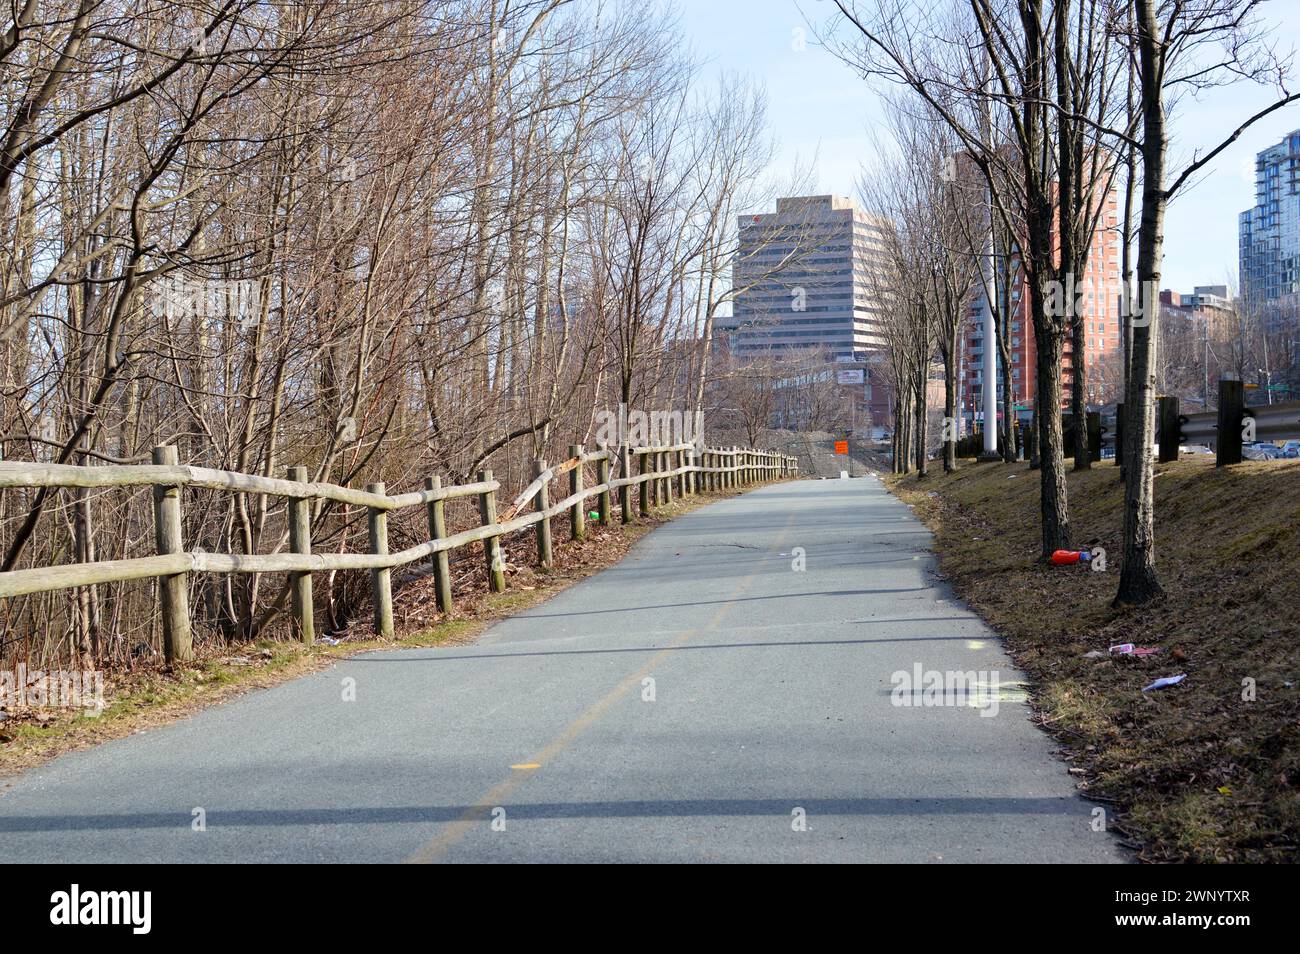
841, 447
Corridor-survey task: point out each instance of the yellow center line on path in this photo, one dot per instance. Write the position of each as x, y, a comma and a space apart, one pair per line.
435, 848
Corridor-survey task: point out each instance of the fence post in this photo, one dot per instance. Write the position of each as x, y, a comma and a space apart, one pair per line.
707, 462
625, 492
1232, 410
644, 460
602, 477
545, 555
578, 512
437, 513
173, 590
667, 458
300, 542
496, 567
381, 578
1169, 428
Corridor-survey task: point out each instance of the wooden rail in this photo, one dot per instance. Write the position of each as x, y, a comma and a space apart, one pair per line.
683, 467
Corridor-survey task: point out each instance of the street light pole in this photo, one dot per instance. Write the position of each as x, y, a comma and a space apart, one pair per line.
990, 362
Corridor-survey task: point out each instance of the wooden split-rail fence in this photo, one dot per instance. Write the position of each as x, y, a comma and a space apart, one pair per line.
661, 472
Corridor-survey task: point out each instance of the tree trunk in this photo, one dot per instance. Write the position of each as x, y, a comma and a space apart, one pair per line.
1051, 440
950, 411
1137, 582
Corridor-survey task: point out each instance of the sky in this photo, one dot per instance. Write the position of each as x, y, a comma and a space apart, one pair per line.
821, 113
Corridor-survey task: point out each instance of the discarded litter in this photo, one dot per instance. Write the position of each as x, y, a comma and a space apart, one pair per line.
593, 515
329, 641
1128, 649
1067, 557
1012, 476
1165, 682
1095, 654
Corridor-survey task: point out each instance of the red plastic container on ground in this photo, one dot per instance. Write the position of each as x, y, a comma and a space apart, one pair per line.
1066, 557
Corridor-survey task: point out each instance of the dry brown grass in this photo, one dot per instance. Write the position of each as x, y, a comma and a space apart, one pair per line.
1195, 772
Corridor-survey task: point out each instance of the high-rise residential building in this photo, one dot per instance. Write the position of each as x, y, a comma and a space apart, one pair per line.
802, 280
801, 277
1100, 287
1269, 233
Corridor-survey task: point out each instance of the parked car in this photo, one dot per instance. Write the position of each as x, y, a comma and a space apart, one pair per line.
1291, 449
1261, 451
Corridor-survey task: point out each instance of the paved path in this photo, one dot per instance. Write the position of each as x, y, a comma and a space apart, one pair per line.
772, 693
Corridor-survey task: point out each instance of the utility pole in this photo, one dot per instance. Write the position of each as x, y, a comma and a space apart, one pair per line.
990, 363
1205, 362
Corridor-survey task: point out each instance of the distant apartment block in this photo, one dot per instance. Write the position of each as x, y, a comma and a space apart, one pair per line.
1100, 287
1209, 303
1269, 233
802, 280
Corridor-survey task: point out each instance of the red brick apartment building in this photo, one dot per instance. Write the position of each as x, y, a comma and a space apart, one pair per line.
1101, 286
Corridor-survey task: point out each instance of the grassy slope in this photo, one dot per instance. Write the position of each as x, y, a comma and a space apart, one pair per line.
1195, 772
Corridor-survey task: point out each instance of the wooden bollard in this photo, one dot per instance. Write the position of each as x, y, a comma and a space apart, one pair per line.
381, 578
496, 564
437, 514
1167, 415
602, 478
173, 590
577, 513
300, 542
1232, 413
545, 555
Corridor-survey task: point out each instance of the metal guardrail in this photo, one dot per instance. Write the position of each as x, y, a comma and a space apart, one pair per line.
1276, 422
1269, 422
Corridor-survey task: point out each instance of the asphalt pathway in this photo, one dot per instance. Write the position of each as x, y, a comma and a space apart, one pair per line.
755, 681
